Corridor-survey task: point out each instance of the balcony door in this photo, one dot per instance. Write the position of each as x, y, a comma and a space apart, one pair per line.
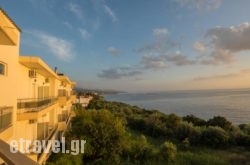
62, 92
43, 92
42, 130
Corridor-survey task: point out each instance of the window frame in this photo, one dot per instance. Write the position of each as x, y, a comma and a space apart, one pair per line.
4, 65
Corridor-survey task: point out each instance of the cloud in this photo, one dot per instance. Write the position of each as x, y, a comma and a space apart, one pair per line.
224, 76
110, 12
162, 52
153, 62
180, 60
60, 48
245, 71
102, 10
84, 33
113, 51
234, 38
225, 43
200, 4
199, 46
118, 73
68, 25
161, 43
45, 6
96, 24
75, 9
165, 60
219, 56
160, 32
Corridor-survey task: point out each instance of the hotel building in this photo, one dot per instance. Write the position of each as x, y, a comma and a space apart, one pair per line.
35, 101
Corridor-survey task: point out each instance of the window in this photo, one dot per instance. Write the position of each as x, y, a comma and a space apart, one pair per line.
2, 68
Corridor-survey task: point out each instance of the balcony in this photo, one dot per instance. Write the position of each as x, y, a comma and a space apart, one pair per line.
73, 98
28, 109
48, 132
45, 130
5, 117
6, 128
34, 105
63, 100
51, 136
63, 121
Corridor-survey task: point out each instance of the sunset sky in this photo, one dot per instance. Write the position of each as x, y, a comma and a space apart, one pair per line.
139, 45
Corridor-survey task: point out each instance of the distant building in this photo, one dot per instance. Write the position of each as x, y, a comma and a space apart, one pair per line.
84, 100
35, 102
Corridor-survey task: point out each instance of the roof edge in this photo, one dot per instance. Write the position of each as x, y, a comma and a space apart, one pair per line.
11, 20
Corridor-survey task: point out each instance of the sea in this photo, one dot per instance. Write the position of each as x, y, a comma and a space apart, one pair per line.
234, 104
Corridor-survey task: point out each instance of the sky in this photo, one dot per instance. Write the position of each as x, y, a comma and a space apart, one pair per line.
139, 45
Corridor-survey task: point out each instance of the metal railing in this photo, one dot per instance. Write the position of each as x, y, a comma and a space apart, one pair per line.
5, 117
63, 117
31, 105
64, 98
45, 130
73, 92
52, 130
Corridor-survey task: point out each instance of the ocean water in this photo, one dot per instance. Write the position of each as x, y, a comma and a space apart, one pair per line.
233, 104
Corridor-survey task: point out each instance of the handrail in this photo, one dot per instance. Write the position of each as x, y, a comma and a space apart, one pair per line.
6, 108
35, 104
13, 158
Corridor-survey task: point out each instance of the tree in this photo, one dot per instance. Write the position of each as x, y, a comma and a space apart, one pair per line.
104, 133
245, 128
220, 122
195, 120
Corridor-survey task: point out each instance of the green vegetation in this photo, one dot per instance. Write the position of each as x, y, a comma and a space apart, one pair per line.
119, 133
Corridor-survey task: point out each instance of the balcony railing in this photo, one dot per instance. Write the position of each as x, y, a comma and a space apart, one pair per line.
33, 105
63, 117
51, 132
5, 117
73, 92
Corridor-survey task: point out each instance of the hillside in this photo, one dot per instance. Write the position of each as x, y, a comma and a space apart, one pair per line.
119, 133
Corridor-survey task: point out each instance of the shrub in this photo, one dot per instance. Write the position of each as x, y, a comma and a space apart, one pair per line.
219, 122
62, 159
140, 150
245, 128
195, 120
242, 139
172, 121
188, 158
215, 137
168, 151
237, 159
184, 130
195, 136
136, 124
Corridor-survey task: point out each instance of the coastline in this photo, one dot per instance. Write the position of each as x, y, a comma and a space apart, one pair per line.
231, 103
